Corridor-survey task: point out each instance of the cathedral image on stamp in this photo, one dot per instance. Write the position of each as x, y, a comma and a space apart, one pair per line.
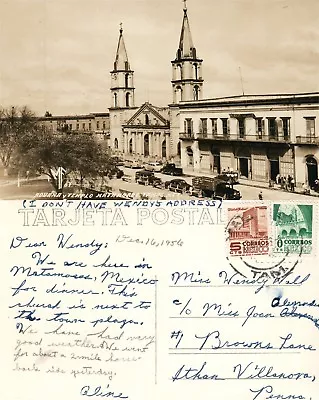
248, 230
292, 228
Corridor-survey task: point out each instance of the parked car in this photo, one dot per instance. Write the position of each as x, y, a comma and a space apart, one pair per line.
171, 169
115, 172
127, 178
144, 177
203, 186
155, 166
157, 183
224, 190
178, 185
117, 160
128, 163
136, 164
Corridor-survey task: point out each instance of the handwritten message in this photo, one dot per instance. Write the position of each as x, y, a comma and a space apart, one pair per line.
125, 302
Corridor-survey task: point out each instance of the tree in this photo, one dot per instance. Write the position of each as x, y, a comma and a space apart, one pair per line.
14, 124
79, 154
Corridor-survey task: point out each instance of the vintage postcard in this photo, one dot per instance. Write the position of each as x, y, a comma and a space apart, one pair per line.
158, 198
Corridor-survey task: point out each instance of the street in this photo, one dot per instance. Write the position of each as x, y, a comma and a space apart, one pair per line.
28, 189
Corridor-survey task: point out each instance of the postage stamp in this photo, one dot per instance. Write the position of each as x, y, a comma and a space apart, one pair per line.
248, 229
292, 228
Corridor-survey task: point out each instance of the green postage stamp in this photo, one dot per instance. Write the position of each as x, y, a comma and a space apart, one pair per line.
293, 228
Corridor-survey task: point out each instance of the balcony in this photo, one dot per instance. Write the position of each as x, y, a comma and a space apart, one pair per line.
186, 135
307, 140
244, 138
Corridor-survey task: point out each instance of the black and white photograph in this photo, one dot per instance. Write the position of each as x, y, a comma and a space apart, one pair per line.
159, 99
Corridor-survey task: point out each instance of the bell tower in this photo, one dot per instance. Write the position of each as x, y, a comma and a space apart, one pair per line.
122, 84
187, 81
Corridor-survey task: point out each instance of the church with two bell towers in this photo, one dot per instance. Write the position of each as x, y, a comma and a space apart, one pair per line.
148, 131
261, 136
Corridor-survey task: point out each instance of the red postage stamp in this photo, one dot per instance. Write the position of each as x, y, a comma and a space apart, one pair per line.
248, 230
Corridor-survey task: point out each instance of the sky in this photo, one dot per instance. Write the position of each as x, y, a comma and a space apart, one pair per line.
56, 55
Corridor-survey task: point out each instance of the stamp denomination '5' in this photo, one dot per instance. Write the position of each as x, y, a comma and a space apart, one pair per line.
248, 229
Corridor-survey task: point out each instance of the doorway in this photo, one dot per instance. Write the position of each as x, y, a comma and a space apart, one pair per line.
274, 169
243, 167
312, 170
190, 157
146, 146
131, 146
216, 160
164, 148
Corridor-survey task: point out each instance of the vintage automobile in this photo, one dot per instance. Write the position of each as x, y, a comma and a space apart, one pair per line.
146, 178
115, 172
135, 164
155, 166
203, 186
171, 169
117, 160
178, 185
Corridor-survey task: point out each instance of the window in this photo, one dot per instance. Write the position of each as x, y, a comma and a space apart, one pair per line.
103, 125
225, 125
147, 120
77, 127
127, 99
189, 126
260, 127
310, 126
286, 127
83, 126
214, 126
116, 143
70, 127
196, 70
179, 94
203, 126
272, 128
196, 92
115, 99
97, 124
126, 80
241, 127
90, 126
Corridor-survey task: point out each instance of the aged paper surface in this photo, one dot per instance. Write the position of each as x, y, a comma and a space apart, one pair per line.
139, 300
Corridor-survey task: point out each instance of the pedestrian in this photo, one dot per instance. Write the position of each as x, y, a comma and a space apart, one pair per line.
278, 179
289, 182
292, 185
282, 182
27, 174
286, 184
260, 195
